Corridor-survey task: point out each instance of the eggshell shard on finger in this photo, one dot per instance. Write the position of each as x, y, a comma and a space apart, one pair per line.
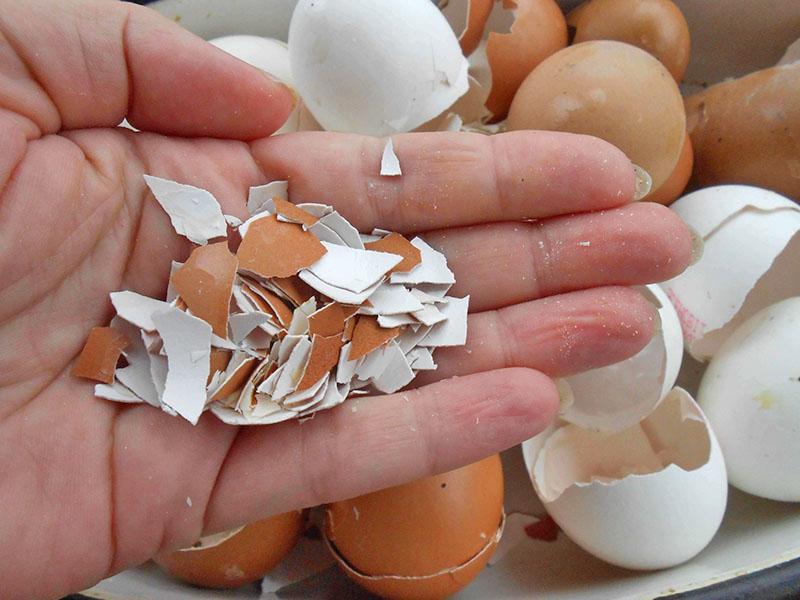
648, 497
617, 396
751, 259
751, 394
375, 68
194, 212
390, 164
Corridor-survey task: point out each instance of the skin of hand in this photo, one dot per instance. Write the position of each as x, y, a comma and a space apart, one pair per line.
90, 487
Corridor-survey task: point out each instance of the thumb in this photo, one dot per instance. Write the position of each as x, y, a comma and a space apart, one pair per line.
76, 64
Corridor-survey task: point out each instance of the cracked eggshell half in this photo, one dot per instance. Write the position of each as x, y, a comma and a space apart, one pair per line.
424, 539
234, 558
617, 396
649, 497
375, 67
751, 394
751, 259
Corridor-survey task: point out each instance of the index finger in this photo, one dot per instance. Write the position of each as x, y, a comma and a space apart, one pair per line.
450, 179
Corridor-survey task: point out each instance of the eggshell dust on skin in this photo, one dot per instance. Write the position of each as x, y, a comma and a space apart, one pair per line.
656, 26
649, 497
613, 91
425, 539
751, 394
239, 559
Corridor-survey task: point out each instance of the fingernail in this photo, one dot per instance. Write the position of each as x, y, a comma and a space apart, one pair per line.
697, 246
644, 183
565, 395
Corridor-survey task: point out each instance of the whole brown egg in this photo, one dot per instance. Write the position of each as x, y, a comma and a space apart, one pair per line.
610, 90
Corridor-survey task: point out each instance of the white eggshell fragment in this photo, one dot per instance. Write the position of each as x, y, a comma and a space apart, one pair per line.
617, 396
751, 394
375, 67
751, 260
649, 497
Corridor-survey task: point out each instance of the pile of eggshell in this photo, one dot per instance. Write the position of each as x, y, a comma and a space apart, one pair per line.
635, 471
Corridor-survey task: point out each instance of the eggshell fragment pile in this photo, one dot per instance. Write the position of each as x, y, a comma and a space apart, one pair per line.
649, 497
307, 312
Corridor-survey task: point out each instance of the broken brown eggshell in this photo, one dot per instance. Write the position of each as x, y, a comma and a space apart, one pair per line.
424, 539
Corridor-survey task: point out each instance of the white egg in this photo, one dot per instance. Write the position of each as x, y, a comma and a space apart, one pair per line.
617, 396
375, 67
649, 497
751, 260
751, 394
267, 54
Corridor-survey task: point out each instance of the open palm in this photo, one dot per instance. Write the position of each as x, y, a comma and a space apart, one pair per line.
88, 487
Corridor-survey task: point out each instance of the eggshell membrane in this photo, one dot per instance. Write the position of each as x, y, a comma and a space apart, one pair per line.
657, 26
751, 394
375, 67
751, 259
610, 90
649, 497
748, 131
673, 187
410, 541
615, 397
539, 29
239, 559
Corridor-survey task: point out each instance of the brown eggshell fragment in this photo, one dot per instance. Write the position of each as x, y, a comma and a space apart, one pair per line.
424, 539
330, 319
478, 12
218, 362
394, 243
237, 379
656, 26
297, 290
242, 558
98, 359
538, 31
610, 90
205, 284
275, 304
368, 335
273, 248
323, 357
672, 188
290, 211
748, 131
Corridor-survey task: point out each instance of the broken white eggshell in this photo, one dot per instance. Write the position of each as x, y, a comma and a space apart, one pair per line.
751, 259
792, 54
614, 397
751, 394
649, 497
375, 67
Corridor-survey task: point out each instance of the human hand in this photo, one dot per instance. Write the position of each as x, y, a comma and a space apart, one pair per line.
90, 487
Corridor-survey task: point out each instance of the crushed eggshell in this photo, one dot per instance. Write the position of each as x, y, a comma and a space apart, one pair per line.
304, 315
